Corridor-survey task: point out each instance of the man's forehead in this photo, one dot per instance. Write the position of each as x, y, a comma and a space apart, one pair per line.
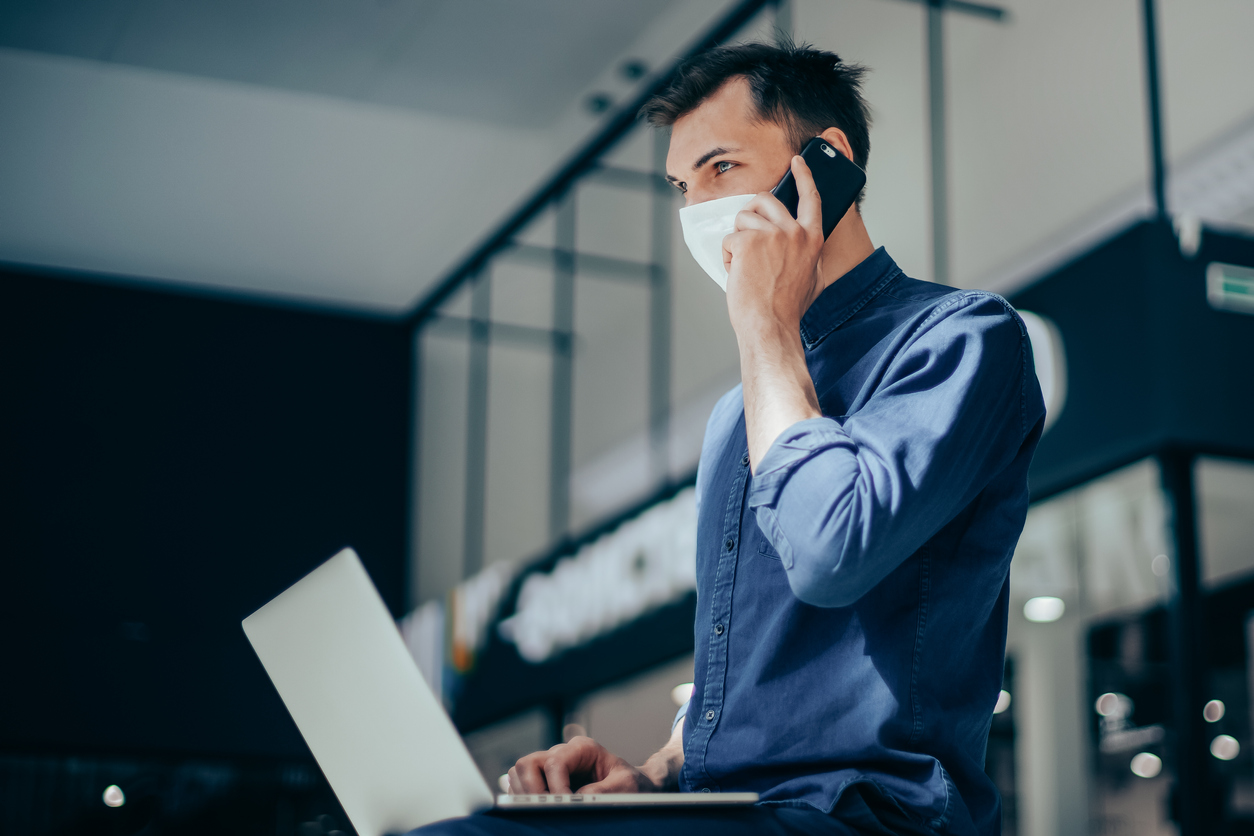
726, 120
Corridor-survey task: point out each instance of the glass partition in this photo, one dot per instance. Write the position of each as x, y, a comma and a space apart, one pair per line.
1225, 501
1090, 718
1092, 554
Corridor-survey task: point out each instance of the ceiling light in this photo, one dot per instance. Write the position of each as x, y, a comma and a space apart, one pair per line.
598, 103
1161, 565
1214, 711
1111, 704
633, 69
681, 693
113, 796
1225, 747
1146, 765
1003, 702
1044, 609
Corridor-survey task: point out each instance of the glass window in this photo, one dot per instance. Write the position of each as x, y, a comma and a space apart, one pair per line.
1225, 502
1093, 554
1096, 547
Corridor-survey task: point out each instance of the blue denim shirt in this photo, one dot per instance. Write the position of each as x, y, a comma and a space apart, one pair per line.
852, 594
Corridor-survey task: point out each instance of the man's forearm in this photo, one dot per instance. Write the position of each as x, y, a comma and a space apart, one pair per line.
663, 767
778, 390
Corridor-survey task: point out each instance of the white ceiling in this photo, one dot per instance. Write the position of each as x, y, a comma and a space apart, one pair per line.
343, 154
511, 62
335, 152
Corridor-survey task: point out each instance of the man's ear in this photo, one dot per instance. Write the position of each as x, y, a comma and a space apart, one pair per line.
837, 139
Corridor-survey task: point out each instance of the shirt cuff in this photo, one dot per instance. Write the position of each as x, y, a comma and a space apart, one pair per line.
794, 446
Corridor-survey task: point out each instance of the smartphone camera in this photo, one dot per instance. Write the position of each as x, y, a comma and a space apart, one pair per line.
827, 149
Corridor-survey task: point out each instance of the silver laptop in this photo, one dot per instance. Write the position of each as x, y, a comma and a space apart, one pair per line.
382, 738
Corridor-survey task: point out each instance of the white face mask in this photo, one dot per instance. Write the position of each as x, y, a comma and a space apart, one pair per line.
705, 226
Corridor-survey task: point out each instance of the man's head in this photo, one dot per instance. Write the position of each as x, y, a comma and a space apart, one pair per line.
738, 114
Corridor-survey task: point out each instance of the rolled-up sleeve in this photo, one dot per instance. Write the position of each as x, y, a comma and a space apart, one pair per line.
846, 500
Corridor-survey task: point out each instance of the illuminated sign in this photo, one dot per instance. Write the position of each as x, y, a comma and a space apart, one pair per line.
1230, 288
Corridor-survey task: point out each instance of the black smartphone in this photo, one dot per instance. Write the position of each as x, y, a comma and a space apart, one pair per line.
839, 179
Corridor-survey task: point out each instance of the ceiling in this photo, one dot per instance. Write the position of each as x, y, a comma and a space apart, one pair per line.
509, 62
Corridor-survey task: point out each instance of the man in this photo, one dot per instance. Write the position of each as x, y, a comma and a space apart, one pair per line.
859, 500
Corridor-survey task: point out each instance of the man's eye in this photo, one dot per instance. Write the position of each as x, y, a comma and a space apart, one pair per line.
724, 166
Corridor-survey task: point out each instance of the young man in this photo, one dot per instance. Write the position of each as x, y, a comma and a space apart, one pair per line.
859, 500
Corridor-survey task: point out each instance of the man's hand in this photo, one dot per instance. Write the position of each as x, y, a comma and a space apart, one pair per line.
773, 266
772, 258
581, 763
590, 768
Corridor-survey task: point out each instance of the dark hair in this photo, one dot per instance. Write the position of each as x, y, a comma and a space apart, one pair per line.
803, 89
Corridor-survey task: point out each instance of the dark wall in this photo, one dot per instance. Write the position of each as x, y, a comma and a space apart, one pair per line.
167, 465
1149, 363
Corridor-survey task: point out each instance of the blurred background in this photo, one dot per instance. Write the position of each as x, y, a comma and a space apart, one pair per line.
278, 277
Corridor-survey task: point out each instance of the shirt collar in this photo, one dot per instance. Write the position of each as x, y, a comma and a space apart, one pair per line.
847, 295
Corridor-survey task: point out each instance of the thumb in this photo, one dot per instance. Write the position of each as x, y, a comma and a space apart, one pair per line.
618, 779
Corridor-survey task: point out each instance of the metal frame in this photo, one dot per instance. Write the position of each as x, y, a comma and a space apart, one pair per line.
566, 262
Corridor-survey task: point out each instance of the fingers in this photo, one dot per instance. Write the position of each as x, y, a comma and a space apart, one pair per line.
526, 776
622, 778
747, 218
612, 783
768, 207
559, 764
809, 204
550, 771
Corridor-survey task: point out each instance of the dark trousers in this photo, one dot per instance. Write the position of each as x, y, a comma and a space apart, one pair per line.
858, 813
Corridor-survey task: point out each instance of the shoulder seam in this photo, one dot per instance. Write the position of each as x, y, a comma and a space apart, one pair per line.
967, 296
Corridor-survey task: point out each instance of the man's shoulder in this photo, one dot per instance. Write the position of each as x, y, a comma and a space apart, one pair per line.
930, 304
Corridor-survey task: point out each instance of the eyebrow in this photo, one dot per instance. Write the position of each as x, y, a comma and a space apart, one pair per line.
709, 155
705, 158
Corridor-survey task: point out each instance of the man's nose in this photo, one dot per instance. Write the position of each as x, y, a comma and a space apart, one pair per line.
694, 196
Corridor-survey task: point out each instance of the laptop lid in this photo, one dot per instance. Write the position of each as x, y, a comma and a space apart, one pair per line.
385, 744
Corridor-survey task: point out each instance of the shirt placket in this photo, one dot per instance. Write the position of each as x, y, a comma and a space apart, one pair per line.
720, 625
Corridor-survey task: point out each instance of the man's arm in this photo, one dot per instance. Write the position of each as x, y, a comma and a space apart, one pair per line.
845, 502
663, 767
590, 768
773, 278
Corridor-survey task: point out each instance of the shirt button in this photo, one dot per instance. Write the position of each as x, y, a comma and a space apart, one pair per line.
705, 789
718, 629
709, 715
745, 460
730, 544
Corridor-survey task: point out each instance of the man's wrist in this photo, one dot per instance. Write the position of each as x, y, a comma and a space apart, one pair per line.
760, 329
662, 770
659, 776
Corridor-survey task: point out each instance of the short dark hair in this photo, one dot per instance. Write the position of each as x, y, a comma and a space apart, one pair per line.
803, 89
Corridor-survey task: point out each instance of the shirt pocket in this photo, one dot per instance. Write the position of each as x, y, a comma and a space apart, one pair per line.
766, 550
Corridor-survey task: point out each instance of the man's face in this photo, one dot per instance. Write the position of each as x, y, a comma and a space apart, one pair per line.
722, 148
